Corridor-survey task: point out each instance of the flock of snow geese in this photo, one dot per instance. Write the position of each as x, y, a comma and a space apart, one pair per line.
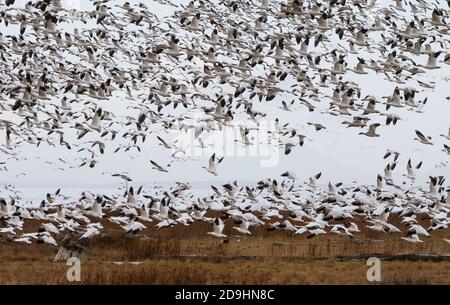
60, 67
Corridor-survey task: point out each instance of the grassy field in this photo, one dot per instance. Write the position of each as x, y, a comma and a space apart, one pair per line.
186, 255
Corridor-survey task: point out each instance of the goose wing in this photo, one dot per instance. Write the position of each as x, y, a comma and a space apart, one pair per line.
218, 226
421, 136
373, 127
212, 163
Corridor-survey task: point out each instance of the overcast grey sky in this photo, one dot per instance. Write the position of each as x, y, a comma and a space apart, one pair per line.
338, 152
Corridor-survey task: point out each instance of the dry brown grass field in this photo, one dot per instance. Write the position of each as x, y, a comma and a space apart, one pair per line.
186, 255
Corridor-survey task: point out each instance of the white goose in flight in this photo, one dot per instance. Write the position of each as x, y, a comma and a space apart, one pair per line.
46, 238
90, 232
446, 149
359, 69
434, 187
432, 61
370, 108
243, 227
390, 152
289, 174
212, 165
97, 208
417, 229
372, 130
413, 239
394, 100
143, 214
388, 171
133, 227
447, 136
410, 170
23, 240
313, 180
382, 226
341, 230
422, 138
4, 208
158, 167
164, 209
218, 227
437, 17
264, 5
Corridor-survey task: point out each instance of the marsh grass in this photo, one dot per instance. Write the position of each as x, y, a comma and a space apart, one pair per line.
240, 272
188, 256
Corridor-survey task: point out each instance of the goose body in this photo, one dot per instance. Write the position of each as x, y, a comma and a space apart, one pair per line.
218, 227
